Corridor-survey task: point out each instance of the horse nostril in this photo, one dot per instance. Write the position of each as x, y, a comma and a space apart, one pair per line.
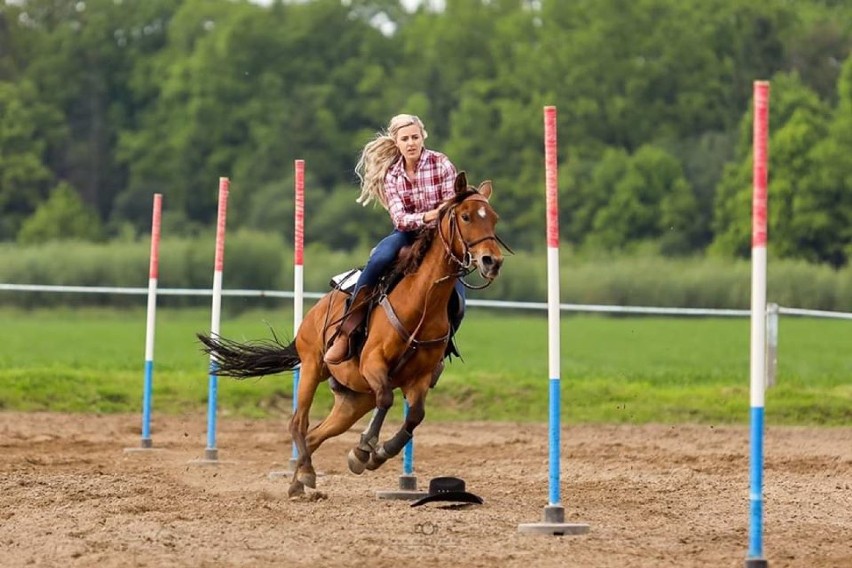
487, 261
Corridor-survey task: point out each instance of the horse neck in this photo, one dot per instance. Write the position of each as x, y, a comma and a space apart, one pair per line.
435, 276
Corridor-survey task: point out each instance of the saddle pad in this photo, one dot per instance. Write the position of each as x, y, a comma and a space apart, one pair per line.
345, 281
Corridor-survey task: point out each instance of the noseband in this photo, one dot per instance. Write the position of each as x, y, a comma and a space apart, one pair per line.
465, 263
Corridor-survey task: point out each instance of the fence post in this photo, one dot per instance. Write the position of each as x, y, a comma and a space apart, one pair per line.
771, 343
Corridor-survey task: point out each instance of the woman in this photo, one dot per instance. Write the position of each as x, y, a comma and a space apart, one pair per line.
411, 182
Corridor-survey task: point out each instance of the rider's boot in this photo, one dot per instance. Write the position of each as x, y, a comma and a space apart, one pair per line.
340, 348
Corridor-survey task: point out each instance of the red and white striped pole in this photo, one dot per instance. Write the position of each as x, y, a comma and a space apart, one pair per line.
298, 277
554, 513
153, 273
211, 454
760, 176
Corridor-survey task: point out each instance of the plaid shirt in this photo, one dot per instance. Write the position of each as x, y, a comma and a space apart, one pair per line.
408, 199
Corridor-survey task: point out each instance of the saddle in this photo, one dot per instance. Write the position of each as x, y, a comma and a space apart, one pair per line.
345, 283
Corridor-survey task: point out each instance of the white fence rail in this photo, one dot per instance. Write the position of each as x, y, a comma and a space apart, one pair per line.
499, 304
773, 310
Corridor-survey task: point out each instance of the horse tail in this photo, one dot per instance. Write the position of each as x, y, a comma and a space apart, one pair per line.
252, 359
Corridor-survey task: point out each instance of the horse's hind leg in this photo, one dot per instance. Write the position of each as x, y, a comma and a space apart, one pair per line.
349, 407
304, 474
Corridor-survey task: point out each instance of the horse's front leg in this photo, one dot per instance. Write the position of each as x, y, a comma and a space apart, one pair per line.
416, 412
359, 455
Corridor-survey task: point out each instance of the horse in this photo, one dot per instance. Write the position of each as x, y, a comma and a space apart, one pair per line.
405, 340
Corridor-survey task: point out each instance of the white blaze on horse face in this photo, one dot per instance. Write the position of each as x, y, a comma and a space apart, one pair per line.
481, 212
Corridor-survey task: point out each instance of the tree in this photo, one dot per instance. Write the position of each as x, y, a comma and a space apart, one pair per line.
802, 218
830, 200
63, 216
80, 57
28, 129
245, 91
465, 34
588, 188
652, 201
630, 73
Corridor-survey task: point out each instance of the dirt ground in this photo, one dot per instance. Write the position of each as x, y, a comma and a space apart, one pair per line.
653, 496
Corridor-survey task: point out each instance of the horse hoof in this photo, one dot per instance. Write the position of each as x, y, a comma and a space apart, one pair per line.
356, 464
375, 462
296, 489
308, 480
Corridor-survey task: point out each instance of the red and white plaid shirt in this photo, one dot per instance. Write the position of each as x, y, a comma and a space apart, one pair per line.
408, 199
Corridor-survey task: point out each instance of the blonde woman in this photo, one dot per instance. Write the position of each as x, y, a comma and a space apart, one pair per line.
410, 181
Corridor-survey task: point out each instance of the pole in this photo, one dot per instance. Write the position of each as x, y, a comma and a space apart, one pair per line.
758, 319
554, 513
212, 453
298, 279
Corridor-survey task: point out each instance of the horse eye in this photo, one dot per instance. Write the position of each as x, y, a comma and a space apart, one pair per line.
465, 217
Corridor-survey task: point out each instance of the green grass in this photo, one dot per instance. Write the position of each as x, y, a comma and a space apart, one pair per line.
617, 370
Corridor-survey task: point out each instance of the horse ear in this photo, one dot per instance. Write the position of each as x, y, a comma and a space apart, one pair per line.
461, 183
485, 189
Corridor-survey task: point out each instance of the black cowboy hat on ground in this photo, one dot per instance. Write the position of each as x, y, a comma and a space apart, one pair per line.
448, 489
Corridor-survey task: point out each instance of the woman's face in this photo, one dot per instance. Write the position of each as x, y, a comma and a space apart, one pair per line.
409, 140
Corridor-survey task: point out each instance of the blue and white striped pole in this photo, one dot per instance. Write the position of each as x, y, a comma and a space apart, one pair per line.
407, 481
760, 170
407, 450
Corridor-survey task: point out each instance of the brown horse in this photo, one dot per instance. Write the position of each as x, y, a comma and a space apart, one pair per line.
405, 342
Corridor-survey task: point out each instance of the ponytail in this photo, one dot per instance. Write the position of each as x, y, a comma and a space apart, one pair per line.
378, 156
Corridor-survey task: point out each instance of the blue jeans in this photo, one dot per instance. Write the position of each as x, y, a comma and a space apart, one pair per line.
384, 254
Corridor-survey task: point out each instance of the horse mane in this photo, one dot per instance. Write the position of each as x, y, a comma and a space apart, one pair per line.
412, 257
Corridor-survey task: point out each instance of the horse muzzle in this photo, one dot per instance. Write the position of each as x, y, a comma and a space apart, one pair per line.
489, 266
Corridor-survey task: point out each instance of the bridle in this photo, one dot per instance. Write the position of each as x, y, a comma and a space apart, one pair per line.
465, 263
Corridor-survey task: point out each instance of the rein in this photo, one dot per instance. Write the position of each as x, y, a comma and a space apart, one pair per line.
411, 341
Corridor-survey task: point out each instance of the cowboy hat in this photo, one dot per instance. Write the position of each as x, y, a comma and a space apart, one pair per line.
448, 489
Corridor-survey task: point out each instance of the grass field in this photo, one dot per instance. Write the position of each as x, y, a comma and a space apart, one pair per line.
628, 370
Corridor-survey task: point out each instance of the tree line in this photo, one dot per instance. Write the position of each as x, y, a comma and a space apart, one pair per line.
105, 102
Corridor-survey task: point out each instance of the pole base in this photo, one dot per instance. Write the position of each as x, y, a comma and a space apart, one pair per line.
211, 457
407, 490
756, 563
146, 445
554, 524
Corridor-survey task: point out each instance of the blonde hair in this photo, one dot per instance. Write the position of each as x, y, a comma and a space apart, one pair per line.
378, 155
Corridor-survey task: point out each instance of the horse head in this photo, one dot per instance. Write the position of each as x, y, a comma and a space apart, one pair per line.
467, 228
